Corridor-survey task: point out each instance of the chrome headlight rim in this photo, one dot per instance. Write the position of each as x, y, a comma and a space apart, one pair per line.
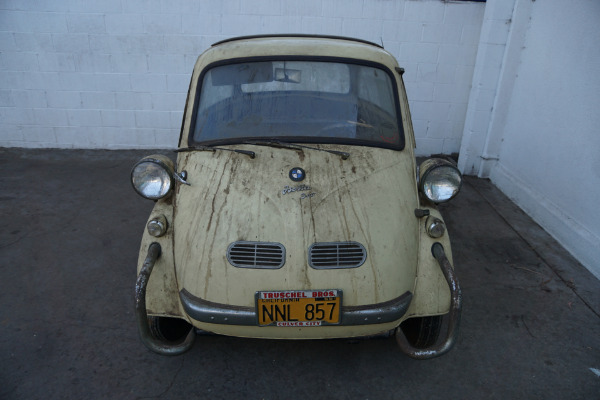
166, 165
430, 165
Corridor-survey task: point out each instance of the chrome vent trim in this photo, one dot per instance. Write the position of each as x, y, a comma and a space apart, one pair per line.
332, 255
264, 255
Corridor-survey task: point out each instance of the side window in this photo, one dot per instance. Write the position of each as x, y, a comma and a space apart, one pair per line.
375, 86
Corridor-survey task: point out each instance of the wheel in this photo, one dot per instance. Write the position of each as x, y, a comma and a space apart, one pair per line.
169, 329
422, 332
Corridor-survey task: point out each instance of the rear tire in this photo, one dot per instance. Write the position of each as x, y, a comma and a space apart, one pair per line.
169, 329
422, 332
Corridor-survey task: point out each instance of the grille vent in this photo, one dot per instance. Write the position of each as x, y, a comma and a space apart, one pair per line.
267, 255
332, 255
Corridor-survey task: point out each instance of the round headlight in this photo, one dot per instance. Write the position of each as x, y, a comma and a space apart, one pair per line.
439, 180
152, 177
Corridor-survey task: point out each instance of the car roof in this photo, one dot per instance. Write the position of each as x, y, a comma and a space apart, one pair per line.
295, 45
296, 35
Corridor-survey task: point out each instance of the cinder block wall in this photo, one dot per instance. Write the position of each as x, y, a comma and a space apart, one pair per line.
114, 73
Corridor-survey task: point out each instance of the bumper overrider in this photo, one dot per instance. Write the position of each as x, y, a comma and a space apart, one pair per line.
209, 312
453, 315
153, 343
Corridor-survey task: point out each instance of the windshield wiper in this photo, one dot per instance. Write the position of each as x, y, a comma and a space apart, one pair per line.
295, 146
249, 153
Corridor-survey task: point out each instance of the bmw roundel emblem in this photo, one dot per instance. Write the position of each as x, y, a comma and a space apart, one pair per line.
297, 174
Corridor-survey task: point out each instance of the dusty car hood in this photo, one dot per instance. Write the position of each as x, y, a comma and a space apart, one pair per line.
369, 198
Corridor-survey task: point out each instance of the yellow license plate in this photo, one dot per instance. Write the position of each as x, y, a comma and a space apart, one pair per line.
299, 307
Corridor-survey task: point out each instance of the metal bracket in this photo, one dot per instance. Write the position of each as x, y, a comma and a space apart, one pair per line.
421, 212
181, 177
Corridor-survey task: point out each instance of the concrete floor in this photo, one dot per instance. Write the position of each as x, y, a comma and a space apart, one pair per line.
530, 326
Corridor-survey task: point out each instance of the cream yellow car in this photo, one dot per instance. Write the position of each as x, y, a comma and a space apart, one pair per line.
295, 208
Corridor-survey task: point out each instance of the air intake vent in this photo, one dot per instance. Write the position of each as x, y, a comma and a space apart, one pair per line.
336, 255
268, 255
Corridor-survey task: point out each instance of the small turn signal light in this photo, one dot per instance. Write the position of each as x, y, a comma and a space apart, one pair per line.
435, 227
157, 226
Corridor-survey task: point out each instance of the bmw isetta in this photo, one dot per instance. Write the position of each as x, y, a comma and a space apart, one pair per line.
295, 208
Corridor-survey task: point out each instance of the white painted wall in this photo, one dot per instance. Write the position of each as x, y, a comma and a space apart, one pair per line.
504, 29
548, 146
114, 73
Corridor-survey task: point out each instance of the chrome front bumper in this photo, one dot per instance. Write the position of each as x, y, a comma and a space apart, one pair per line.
209, 312
215, 313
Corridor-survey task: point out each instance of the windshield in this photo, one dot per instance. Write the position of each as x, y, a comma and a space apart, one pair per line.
306, 101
